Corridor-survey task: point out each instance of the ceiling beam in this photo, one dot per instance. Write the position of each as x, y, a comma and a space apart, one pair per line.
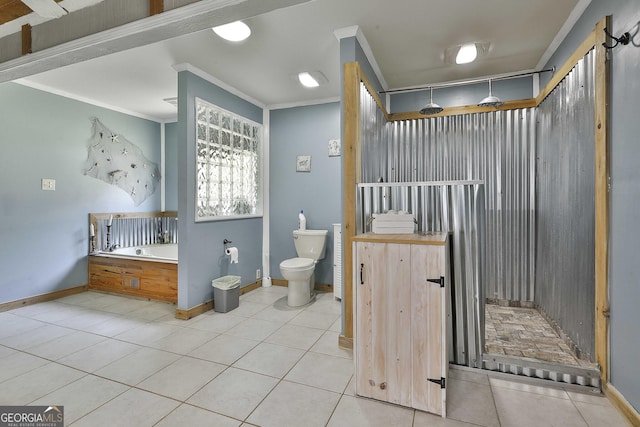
183, 20
46, 8
12, 9
156, 7
26, 39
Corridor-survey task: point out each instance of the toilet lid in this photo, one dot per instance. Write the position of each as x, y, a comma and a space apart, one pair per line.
297, 263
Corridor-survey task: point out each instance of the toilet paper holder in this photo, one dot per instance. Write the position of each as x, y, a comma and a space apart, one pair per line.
230, 251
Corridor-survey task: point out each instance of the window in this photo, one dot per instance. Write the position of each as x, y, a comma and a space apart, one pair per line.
228, 163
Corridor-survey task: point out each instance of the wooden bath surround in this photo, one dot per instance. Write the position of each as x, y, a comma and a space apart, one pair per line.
138, 278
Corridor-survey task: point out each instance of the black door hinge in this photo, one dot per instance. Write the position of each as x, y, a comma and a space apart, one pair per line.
441, 381
439, 281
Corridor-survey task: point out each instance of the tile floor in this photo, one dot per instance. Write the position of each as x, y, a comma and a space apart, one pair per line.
113, 361
524, 332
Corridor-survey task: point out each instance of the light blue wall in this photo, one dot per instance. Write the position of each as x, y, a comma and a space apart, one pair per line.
171, 166
295, 131
350, 50
624, 275
203, 241
506, 90
45, 233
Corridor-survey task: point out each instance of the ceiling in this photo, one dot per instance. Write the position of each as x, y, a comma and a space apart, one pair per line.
407, 39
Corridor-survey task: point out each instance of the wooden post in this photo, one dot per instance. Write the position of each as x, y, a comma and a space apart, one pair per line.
602, 202
26, 39
351, 159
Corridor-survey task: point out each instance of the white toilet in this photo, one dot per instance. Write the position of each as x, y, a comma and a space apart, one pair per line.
310, 246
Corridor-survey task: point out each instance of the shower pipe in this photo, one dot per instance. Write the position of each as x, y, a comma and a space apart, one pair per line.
470, 81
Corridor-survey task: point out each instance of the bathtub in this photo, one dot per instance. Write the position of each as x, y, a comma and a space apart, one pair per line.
158, 253
149, 271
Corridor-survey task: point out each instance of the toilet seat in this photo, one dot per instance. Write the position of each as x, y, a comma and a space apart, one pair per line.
297, 264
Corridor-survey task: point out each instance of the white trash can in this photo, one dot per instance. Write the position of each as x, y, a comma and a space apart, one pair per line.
226, 293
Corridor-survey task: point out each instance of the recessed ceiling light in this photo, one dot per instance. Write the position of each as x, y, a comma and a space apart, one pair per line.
467, 53
234, 31
307, 80
311, 78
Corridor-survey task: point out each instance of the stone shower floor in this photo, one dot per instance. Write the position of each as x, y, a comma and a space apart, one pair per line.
523, 332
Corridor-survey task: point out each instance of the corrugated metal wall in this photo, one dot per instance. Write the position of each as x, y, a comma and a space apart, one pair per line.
458, 208
127, 232
497, 148
551, 210
565, 192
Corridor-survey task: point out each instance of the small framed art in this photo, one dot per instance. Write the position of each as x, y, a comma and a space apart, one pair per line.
334, 147
303, 163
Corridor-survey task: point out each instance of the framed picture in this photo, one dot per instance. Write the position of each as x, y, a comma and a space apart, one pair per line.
334, 147
303, 163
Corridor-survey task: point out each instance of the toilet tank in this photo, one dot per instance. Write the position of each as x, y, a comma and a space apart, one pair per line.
310, 243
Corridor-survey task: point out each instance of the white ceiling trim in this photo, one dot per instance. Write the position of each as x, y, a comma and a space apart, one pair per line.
208, 77
575, 14
54, 91
303, 103
355, 31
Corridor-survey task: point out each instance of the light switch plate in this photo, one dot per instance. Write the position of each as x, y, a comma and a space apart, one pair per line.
48, 184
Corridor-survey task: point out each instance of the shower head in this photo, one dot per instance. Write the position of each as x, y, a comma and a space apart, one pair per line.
431, 107
491, 100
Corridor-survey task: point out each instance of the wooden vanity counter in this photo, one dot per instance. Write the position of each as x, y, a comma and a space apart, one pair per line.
430, 238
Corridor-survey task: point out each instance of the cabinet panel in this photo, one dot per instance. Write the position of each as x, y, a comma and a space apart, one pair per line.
428, 321
363, 322
383, 304
399, 323
397, 304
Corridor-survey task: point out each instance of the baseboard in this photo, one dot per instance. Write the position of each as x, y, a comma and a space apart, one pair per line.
250, 287
194, 311
280, 282
322, 287
344, 342
42, 298
622, 404
209, 305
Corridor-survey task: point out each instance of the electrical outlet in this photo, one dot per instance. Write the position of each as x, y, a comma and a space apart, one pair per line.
257, 274
48, 184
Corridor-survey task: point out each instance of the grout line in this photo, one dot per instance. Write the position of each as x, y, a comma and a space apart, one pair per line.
146, 322
495, 405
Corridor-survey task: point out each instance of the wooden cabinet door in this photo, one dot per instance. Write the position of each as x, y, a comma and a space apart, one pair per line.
428, 329
382, 321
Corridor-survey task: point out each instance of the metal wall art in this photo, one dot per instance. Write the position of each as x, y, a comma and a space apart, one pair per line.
116, 161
